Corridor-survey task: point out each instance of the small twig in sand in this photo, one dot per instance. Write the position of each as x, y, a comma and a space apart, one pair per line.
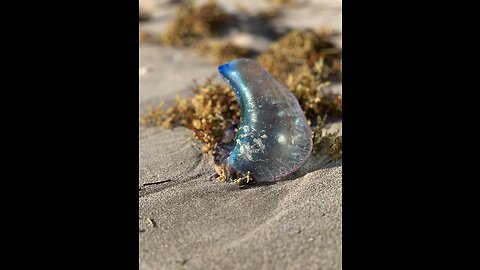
155, 183
151, 222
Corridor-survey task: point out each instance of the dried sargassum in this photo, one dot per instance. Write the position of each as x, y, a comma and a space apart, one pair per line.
302, 47
194, 23
329, 144
213, 113
308, 86
222, 51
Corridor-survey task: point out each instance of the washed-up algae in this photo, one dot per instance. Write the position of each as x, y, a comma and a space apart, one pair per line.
194, 23
213, 109
198, 26
222, 51
304, 60
303, 47
208, 113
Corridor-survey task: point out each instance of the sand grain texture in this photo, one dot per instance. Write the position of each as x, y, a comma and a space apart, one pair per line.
204, 224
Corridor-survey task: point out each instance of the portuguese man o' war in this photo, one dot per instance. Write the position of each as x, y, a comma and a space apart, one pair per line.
273, 138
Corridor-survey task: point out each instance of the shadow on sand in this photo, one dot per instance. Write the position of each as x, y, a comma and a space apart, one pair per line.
314, 163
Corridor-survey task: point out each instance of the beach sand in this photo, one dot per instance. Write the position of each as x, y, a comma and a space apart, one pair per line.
188, 220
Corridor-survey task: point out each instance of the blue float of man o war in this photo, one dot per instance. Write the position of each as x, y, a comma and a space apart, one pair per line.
273, 138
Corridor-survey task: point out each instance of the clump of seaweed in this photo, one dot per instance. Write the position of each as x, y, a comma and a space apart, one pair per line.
194, 23
222, 51
329, 143
307, 85
214, 107
299, 48
284, 3
269, 14
303, 60
209, 113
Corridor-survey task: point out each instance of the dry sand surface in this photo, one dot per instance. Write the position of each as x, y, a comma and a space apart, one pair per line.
199, 223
